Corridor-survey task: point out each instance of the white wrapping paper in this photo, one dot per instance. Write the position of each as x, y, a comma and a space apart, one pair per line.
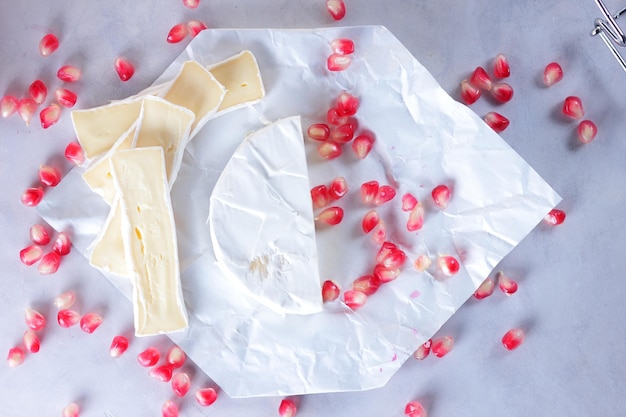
423, 138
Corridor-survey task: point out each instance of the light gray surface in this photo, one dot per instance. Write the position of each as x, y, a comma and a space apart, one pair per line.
570, 277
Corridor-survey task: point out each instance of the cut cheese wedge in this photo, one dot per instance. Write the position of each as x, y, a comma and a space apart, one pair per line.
261, 220
241, 77
149, 236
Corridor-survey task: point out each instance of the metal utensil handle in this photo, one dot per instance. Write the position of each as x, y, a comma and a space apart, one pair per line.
610, 32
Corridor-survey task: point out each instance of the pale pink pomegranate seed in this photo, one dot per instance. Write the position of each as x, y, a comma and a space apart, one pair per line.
65, 97
124, 68
48, 44
181, 384
342, 46
195, 27
422, 263
319, 132
65, 300
506, 284
586, 131
69, 74
71, 410
331, 216
39, 235
90, 322
26, 108
386, 249
385, 193
337, 62
342, 133
448, 265
31, 255
485, 289
38, 91
469, 93
320, 196
336, 8
354, 299
408, 202
8, 106
119, 344
191, 4
555, 217
329, 150
169, 409
496, 121
502, 92
440, 347
385, 274
552, 74
367, 284
362, 145
49, 264
74, 153
441, 196
49, 176
501, 67
330, 291
49, 115
34, 319
338, 188
176, 357
148, 357
423, 351
205, 396
414, 409
347, 104
177, 33
31, 341
369, 191
62, 244
32, 196
573, 107
67, 318
287, 408
480, 79
370, 221
379, 234
513, 338
15, 357
162, 373
416, 218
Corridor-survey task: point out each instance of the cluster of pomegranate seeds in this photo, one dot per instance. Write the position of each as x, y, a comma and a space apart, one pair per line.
336, 8
415, 409
441, 346
74, 153
507, 285
330, 291
49, 262
485, 289
287, 408
423, 350
48, 44
71, 410
205, 396
555, 217
552, 74
119, 345
341, 57
513, 338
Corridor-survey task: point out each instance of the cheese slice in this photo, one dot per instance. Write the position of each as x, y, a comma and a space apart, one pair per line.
241, 77
107, 251
149, 235
261, 220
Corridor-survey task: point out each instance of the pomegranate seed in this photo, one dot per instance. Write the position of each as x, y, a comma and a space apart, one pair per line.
354, 299
320, 196
485, 289
469, 93
587, 131
175, 357
38, 91
342, 46
125, 70
408, 202
441, 196
336, 8
119, 344
362, 145
26, 108
506, 284
379, 234
49, 263
513, 338
287, 408
169, 409
195, 27
573, 107
442, 346
71, 410
367, 284
50, 115
336, 62
390, 256
416, 218
331, 216
480, 79
422, 263
385, 193
385, 274
67, 318
205, 396
448, 265
148, 357
555, 217
370, 221
65, 97
342, 133
177, 33
32, 196
329, 150
62, 244
31, 341
68, 74
502, 92
8, 106
39, 235
48, 44
386, 249
334, 118
338, 188
31, 254
163, 373
369, 192
496, 121
34, 319
191, 4
318, 131
501, 68
74, 153
330, 291
65, 300
15, 357
181, 384
552, 74
90, 322
423, 351
414, 409
49, 176
347, 104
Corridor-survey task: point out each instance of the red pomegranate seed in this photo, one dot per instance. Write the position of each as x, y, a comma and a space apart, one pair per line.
441, 196
501, 67
169, 409
31, 341
175, 357
370, 221
379, 234
422, 263
336, 8
177, 33
362, 145
148, 357
50, 115
385, 193
513, 338
26, 108
330, 291
338, 188
423, 351
408, 202
390, 256
191, 4
71, 410
342, 133
502, 92
49, 263
440, 347
552, 74
386, 249
555, 217
205, 396
8, 106
39, 235
331, 216
329, 150
369, 192
48, 44
38, 91
49, 176
181, 384
416, 218
65, 300
485, 289
163, 373
15, 357
119, 344
336, 62
287, 408
67, 318
34, 319
65, 97
469, 93
448, 265
342, 46
347, 104
573, 107
367, 284
74, 153
506, 284
31, 254
333, 117
195, 27
68, 74
480, 79
354, 299
32, 196
587, 131
62, 244
320, 196
90, 322
496, 121
414, 409
318, 131
385, 274
125, 70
